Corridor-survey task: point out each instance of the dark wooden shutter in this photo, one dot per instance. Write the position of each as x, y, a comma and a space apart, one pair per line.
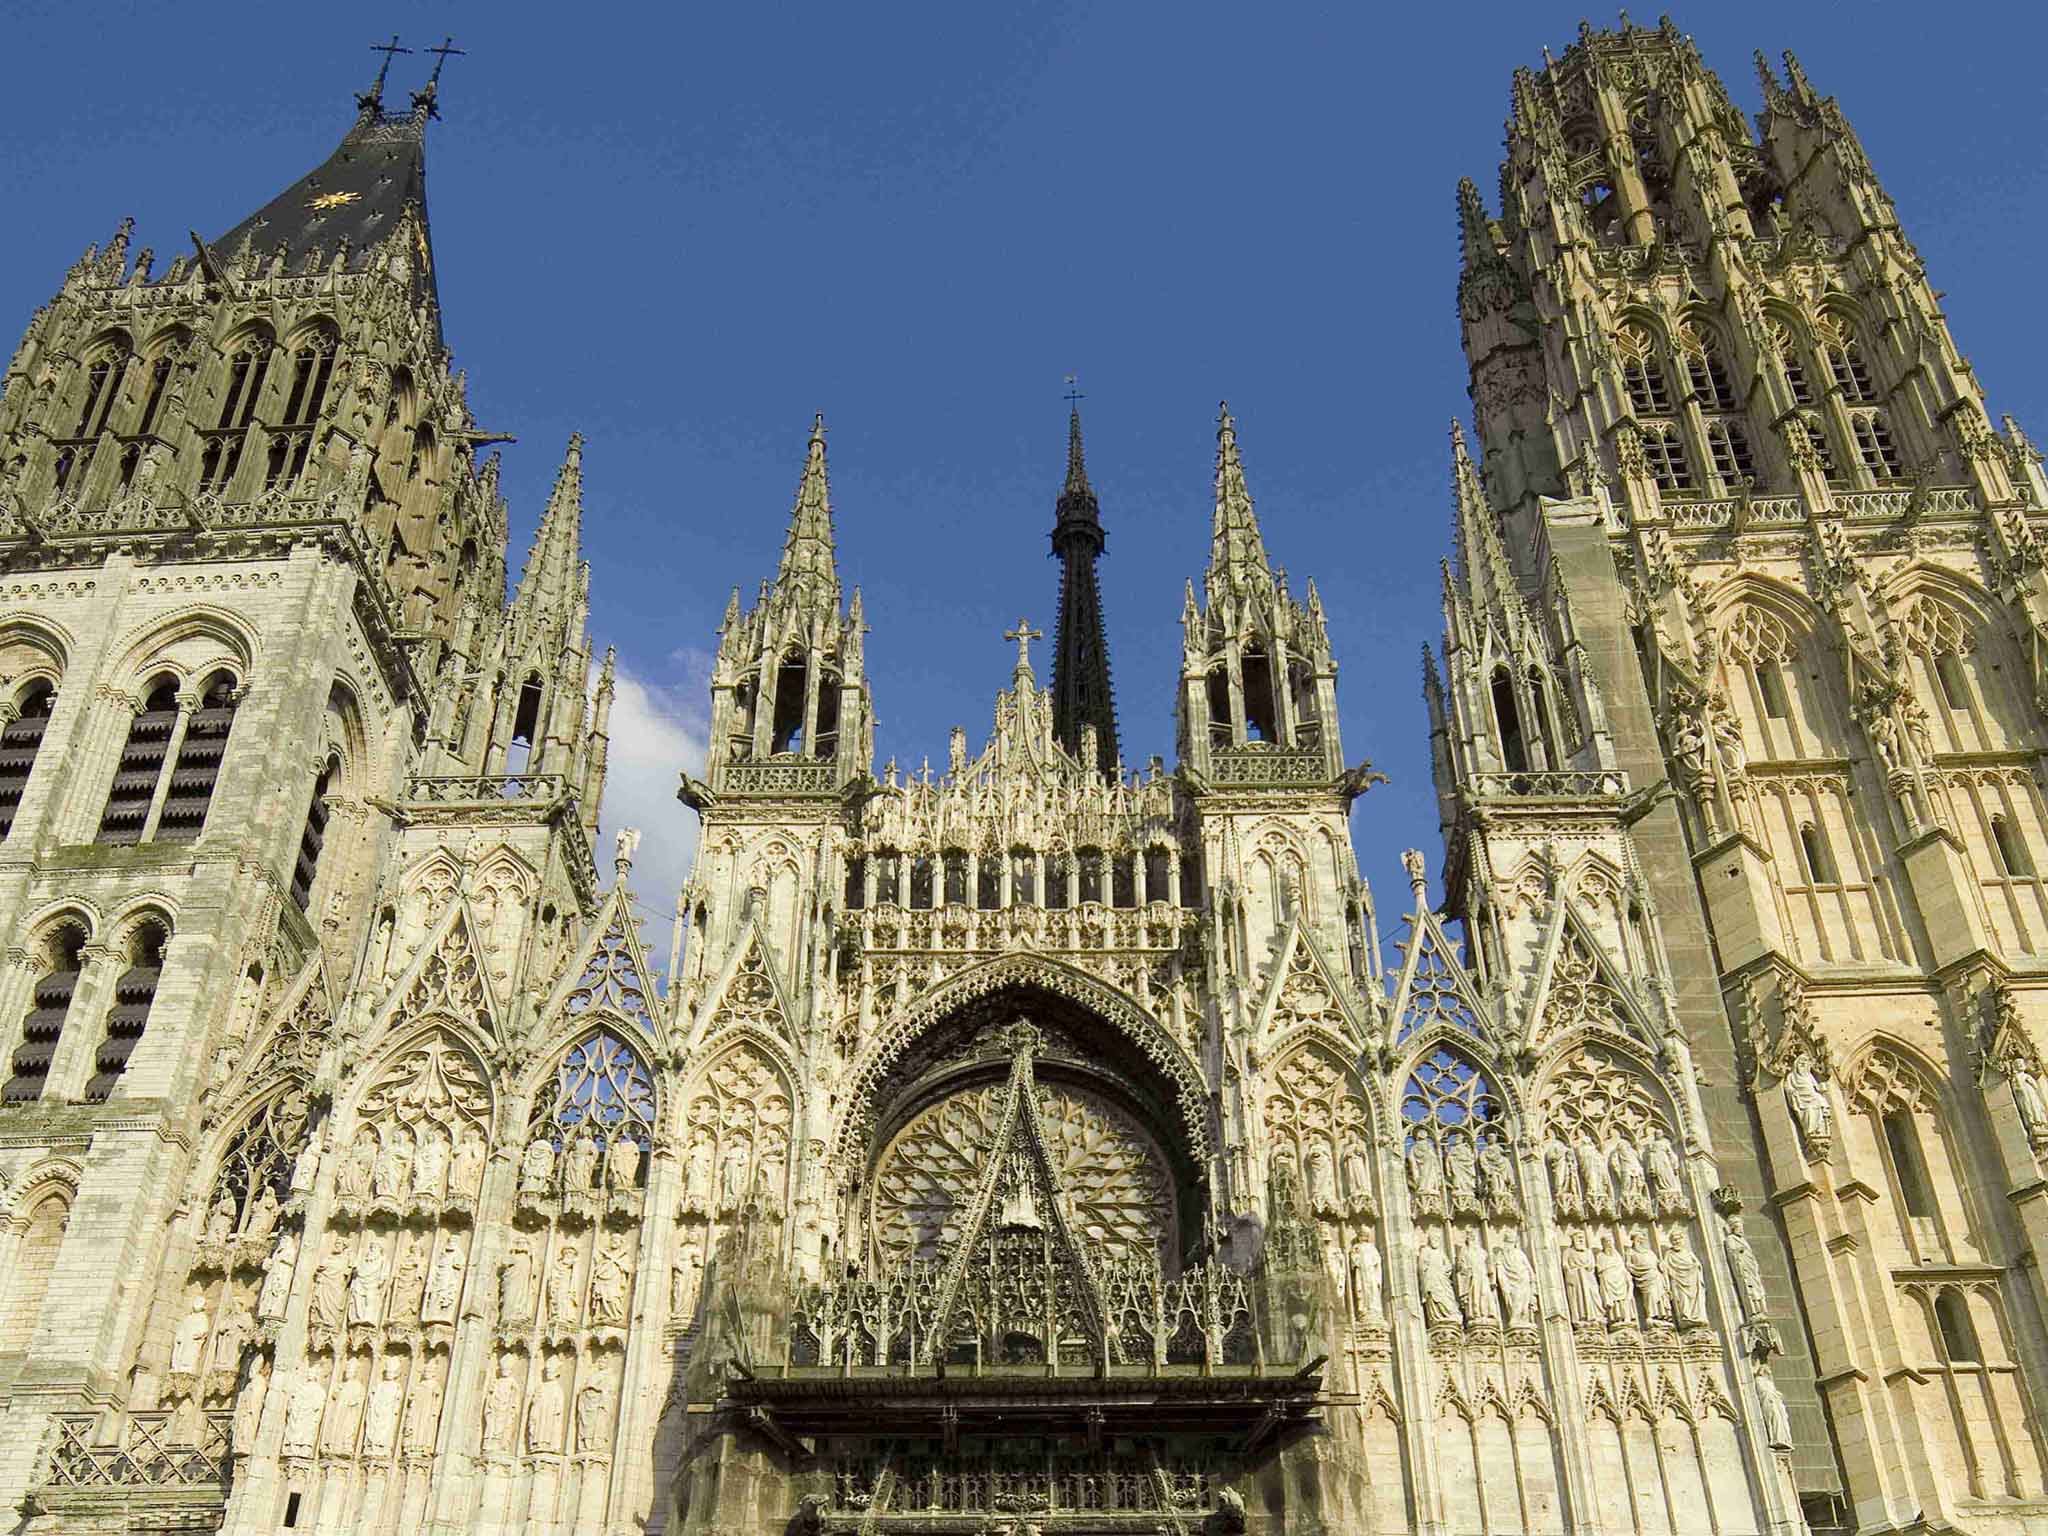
310, 843
197, 770
133, 994
19, 742
39, 1032
142, 761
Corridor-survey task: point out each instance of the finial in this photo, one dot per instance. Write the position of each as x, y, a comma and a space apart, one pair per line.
423, 100
374, 96
1418, 871
624, 847
1023, 634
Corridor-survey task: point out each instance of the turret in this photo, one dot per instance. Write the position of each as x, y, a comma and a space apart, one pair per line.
1082, 702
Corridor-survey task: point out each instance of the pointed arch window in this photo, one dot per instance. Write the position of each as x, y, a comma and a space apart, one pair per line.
520, 750
1875, 446
313, 837
1158, 875
1539, 704
1958, 1334
1728, 446
1642, 371
1058, 877
1507, 719
826, 738
1785, 343
792, 679
1844, 353
201, 751
1664, 453
2011, 845
49, 1004
956, 878
35, 1259
1261, 720
169, 352
133, 791
856, 884
921, 882
603, 1098
134, 995
20, 740
1823, 448
1090, 883
988, 882
1023, 877
1770, 687
1909, 1168
103, 377
1704, 368
1217, 688
247, 367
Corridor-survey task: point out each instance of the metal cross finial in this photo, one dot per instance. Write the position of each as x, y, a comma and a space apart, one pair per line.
1074, 395
1023, 634
388, 50
441, 63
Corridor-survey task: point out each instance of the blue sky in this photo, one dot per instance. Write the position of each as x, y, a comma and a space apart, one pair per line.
683, 230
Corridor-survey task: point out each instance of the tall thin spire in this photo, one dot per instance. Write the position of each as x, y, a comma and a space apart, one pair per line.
1081, 695
553, 563
809, 567
1236, 552
1482, 557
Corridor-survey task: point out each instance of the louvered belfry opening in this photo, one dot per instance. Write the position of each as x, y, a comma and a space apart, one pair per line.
142, 762
20, 739
312, 840
133, 995
50, 1002
198, 767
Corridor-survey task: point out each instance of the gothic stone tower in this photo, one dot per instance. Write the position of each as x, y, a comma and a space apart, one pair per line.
1744, 664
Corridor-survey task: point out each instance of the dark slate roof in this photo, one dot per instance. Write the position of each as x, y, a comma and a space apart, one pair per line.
359, 192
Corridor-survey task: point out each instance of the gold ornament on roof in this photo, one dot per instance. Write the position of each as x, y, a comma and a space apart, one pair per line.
328, 200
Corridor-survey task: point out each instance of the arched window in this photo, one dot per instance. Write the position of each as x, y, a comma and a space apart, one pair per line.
20, 740
1728, 445
1813, 849
525, 726
856, 884
827, 736
1838, 343
197, 770
956, 878
1507, 719
1958, 1335
988, 882
1217, 687
1785, 343
921, 882
48, 1005
246, 368
1301, 699
1539, 702
168, 352
312, 368
602, 1094
1823, 447
34, 1261
102, 386
134, 993
1090, 883
260, 1157
1704, 368
1158, 875
313, 838
2013, 861
1057, 878
1642, 371
1664, 453
1123, 882
1023, 877
1770, 687
791, 680
1261, 722
133, 791
1875, 447
1909, 1168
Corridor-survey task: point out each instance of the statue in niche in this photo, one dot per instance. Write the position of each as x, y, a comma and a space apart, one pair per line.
220, 1221
1433, 1284
546, 1414
1667, 1178
1366, 1277
423, 1413
2028, 1099
391, 1178
1581, 1281
1646, 1273
352, 1179
697, 1175
330, 1289
1322, 1180
1808, 1102
1357, 1180
249, 1404
1497, 1179
1473, 1280
769, 1182
515, 1285
1593, 1182
536, 1166
380, 1419
1425, 1176
466, 1168
683, 1282
563, 1301
1333, 1259
306, 1168
579, 1163
263, 1216
1516, 1278
608, 1283
232, 1337
501, 1409
407, 1279
1683, 1282
189, 1343
622, 1162
1563, 1167
430, 1165
1777, 1417
1749, 1275
594, 1411
444, 1284
302, 1411
366, 1284
1631, 1185
1617, 1290
1461, 1174
733, 1168
344, 1408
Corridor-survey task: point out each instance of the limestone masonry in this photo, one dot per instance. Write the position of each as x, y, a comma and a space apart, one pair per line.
1041, 1145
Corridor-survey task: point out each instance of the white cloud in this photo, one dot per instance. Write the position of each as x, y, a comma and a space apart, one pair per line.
657, 731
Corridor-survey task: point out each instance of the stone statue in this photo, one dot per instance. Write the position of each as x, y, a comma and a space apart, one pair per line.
190, 1341
1425, 1175
302, 1411
625, 845
1497, 1179
1516, 1278
1777, 1417
1433, 1284
263, 1216
366, 1284
277, 1278
306, 1168
1581, 1283
407, 1278
608, 1284
733, 1168
392, 1177
380, 1419
430, 1166
423, 1413
330, 1289
1322, 1180
1667, 1177
220, 1221
1682, 1281
579, 1163
444, 1284
1808, 1102
501, 1409
1749, 1275
697, 1175
1357, 1180
1631, 1185
352, 1179
1594, 1186
232, 1336
515, 1285
1617, 1290
1366, 1278
594, 1413
344, 1408
466, 1168
536, 1166
1461, 1173
682, 1288
546, 1415
1473, 1279
563, 1301
2028, 1098
622, 1162
1646, 1273
249, 1404
1564, 1176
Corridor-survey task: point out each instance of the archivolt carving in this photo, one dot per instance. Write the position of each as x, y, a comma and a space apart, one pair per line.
1318, 1125
598, 1116
1883, 1080
739, 1119
1755, 635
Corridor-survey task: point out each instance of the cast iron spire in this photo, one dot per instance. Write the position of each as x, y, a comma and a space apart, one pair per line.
1080, 652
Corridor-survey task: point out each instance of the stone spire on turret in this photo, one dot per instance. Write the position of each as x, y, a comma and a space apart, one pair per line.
1081, 692
1482, 557
1237, 555
553, 564
808, 567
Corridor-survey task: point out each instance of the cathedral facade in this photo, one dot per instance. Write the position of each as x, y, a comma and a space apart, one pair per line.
1041, 1144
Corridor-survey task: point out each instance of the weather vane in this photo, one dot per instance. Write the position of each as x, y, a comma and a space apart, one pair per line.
1074, 395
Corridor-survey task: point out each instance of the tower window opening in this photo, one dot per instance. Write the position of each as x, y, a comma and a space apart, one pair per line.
1024, 877
889, 878
921, 882
131, 460
102, 385
1301, 697
1665, 455
956, 878
245, 384
1823, 449
1958, 1337
1219, 708
1642, 373
856, 884
1728, 443
1709, 377
312, 839
1955, 687
1260, 720
159, 377
791, 678
1058, 877
1539, 697
1786, 344
1846, 363
141, 764
988, 883
1813, 847
49, 1002
197, 771
2013, 861
525, 727
1875, 447
67, 461
1158, 875
20, 740
1514, 752
1123, 881
1902, 1141
1091, 874
827, 746
134, 993
1191, 879
1770, 687
312, 367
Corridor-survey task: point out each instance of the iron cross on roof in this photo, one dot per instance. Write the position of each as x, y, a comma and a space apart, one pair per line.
447, 47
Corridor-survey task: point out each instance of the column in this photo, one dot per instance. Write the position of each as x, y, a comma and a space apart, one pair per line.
188, 702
